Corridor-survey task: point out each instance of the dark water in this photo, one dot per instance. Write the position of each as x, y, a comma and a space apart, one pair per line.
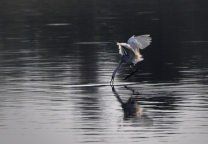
56, 62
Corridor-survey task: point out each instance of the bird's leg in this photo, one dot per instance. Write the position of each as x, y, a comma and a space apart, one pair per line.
129, 76
131, 66
129, 89
136, 69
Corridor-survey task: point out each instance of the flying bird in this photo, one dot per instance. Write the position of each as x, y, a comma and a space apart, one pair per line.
130, 52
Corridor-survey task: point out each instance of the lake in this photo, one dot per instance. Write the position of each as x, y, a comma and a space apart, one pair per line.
56, 62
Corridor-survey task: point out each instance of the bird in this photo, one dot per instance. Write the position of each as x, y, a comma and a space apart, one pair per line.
130, 54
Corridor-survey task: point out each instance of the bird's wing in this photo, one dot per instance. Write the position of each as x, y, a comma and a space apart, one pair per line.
139, 42
125, 49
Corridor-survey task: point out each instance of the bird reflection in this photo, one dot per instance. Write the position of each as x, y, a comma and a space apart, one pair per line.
132, 110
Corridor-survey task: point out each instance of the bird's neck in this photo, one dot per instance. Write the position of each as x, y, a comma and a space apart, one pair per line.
117, 68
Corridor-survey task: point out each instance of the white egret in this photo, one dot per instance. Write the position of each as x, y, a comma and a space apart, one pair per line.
130, 52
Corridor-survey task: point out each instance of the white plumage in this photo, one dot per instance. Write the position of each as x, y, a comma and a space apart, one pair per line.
130, 51
139, 42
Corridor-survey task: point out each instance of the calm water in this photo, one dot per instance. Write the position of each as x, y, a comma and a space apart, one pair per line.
56, 62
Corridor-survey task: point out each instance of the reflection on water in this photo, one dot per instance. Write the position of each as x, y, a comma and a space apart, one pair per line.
132, 110
56, 62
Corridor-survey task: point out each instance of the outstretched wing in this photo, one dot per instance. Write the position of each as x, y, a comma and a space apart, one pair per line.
125, 49
139, 42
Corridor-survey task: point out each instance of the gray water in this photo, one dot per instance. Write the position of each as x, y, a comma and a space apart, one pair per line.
56, 62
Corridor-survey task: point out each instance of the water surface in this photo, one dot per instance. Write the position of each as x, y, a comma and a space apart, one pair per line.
56, 63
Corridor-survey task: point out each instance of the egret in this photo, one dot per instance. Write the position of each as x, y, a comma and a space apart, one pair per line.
130, 52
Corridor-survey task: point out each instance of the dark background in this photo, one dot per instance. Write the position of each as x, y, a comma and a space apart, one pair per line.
178, 28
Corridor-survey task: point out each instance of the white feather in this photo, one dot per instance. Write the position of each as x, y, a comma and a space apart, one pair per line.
121, 50
127, 46
139, 42
130, 52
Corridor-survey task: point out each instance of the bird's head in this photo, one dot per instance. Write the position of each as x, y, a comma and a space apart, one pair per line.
112, 80
118, 43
